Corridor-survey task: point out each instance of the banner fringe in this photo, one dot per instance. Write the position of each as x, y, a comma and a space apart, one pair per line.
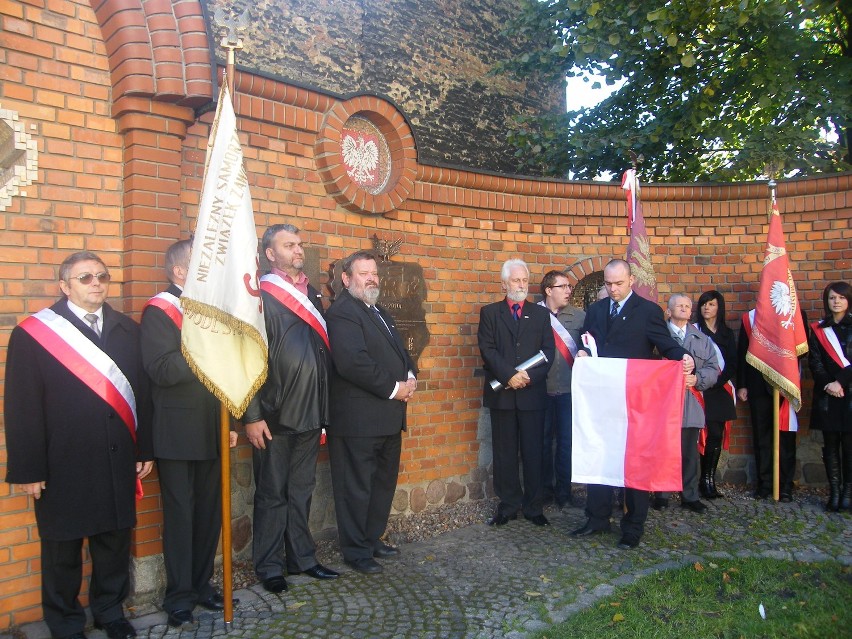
787, 389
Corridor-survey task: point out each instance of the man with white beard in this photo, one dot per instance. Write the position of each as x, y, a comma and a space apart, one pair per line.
511, 332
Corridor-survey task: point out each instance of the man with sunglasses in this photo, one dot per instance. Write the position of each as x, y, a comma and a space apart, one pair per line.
79, 442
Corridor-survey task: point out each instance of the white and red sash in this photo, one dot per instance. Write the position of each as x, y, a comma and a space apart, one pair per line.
787, 419
828, 340
565, 344
88, 363
296, 301
169, 304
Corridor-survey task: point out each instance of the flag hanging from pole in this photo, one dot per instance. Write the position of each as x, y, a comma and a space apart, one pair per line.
627, 416
778, 335
639, 248
223, 336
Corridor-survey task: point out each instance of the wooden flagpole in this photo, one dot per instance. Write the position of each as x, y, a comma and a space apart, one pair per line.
776, 444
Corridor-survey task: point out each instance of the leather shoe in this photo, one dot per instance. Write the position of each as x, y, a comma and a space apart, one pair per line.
626, 543
660, 503
501, 520
762, 493
275, 585
785, 498
585, 530
538, 520
383, 551
366, 565
695, 506
181, 619
216, 602
321, 572
118, 629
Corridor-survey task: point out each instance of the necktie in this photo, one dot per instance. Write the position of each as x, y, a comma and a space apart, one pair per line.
613, 312
679, 337
516, 312
92, 319
380, 318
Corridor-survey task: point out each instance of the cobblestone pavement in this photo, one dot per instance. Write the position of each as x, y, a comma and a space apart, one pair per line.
480, 582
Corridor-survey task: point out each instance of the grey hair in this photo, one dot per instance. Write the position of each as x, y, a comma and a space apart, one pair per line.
79, 256
177, 255
676, 296
270, 233
507, 267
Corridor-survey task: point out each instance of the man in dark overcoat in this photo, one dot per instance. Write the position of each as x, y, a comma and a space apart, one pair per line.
372, 380
186, 446
78, 439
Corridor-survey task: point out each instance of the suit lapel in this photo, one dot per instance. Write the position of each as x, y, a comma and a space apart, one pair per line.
624, 316
63, 310
506, 315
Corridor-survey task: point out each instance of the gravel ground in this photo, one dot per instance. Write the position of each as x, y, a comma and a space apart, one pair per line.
436, 521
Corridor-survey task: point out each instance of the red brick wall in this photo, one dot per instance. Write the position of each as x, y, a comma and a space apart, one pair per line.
119, 172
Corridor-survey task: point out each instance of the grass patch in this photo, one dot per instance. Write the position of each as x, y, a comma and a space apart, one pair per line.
721, 600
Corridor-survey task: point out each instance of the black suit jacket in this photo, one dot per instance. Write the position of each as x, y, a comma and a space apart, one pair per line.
368, 361
504, 343
60, 431
638, 328
186, 414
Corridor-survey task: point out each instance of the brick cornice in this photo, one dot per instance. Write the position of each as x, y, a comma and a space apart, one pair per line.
157, 49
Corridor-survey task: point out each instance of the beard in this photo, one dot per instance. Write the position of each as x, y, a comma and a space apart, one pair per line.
517, 296
368, 295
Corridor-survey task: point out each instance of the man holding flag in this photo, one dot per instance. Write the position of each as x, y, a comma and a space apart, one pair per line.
625, 325
772, 338
566, 321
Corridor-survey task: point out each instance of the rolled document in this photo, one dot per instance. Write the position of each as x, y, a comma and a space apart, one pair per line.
535, 360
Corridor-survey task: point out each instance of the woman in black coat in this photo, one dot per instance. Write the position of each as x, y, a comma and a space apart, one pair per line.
719, 408
831, 409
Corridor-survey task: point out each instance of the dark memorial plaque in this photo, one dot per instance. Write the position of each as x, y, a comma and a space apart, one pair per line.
403, 291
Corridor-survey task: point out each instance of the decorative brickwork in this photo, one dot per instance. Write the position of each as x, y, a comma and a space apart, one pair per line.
121, 157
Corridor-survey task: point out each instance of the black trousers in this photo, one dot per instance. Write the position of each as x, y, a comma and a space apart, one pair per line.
513, 431
192, 521
761, 428
599, 510
62, 576
364, 471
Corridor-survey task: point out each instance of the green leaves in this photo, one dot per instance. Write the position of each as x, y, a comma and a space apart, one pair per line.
714, 89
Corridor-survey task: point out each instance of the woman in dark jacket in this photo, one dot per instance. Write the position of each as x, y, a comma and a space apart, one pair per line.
831, 409
719, 409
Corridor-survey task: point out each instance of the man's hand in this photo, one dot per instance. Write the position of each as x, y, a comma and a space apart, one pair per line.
582, 353
742, 394
834, 389
144, 468
688, 364
405, 390
33, 489
257, 434
519, 380
232, 439
691, 380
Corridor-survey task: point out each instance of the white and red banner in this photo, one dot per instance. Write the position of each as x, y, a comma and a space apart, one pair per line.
627, 417
778, 335
223, 336
298, 303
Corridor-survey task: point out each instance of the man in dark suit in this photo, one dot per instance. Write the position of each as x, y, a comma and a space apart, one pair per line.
512, 331
285, 419
628, 326
186, 446
78, 451
372, 381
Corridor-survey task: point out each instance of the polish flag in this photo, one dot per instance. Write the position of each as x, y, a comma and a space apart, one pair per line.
627, 416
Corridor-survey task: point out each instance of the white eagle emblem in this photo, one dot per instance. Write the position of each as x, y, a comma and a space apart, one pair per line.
361, 158
782, 302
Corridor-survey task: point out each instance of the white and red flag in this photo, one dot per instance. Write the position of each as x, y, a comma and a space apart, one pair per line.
627, 416
223, 335
639, 247
778, 335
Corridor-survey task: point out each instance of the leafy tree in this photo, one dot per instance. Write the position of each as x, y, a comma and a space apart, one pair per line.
712, 89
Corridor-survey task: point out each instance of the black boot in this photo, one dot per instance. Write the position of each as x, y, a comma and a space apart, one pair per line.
713, 462
846, 495
704, 477
832, 470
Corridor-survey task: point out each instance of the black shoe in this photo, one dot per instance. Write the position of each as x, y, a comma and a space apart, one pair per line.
76, 635
586, 530
366, 565
216, 602
696, 506
785, 498
181, 619
384, 551
320, 572
762, 493
660, 503
117, 629
626, 543
275, 584
538, 520
501, 520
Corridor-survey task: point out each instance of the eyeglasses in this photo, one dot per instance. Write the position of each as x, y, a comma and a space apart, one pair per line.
561, 286
86, 278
